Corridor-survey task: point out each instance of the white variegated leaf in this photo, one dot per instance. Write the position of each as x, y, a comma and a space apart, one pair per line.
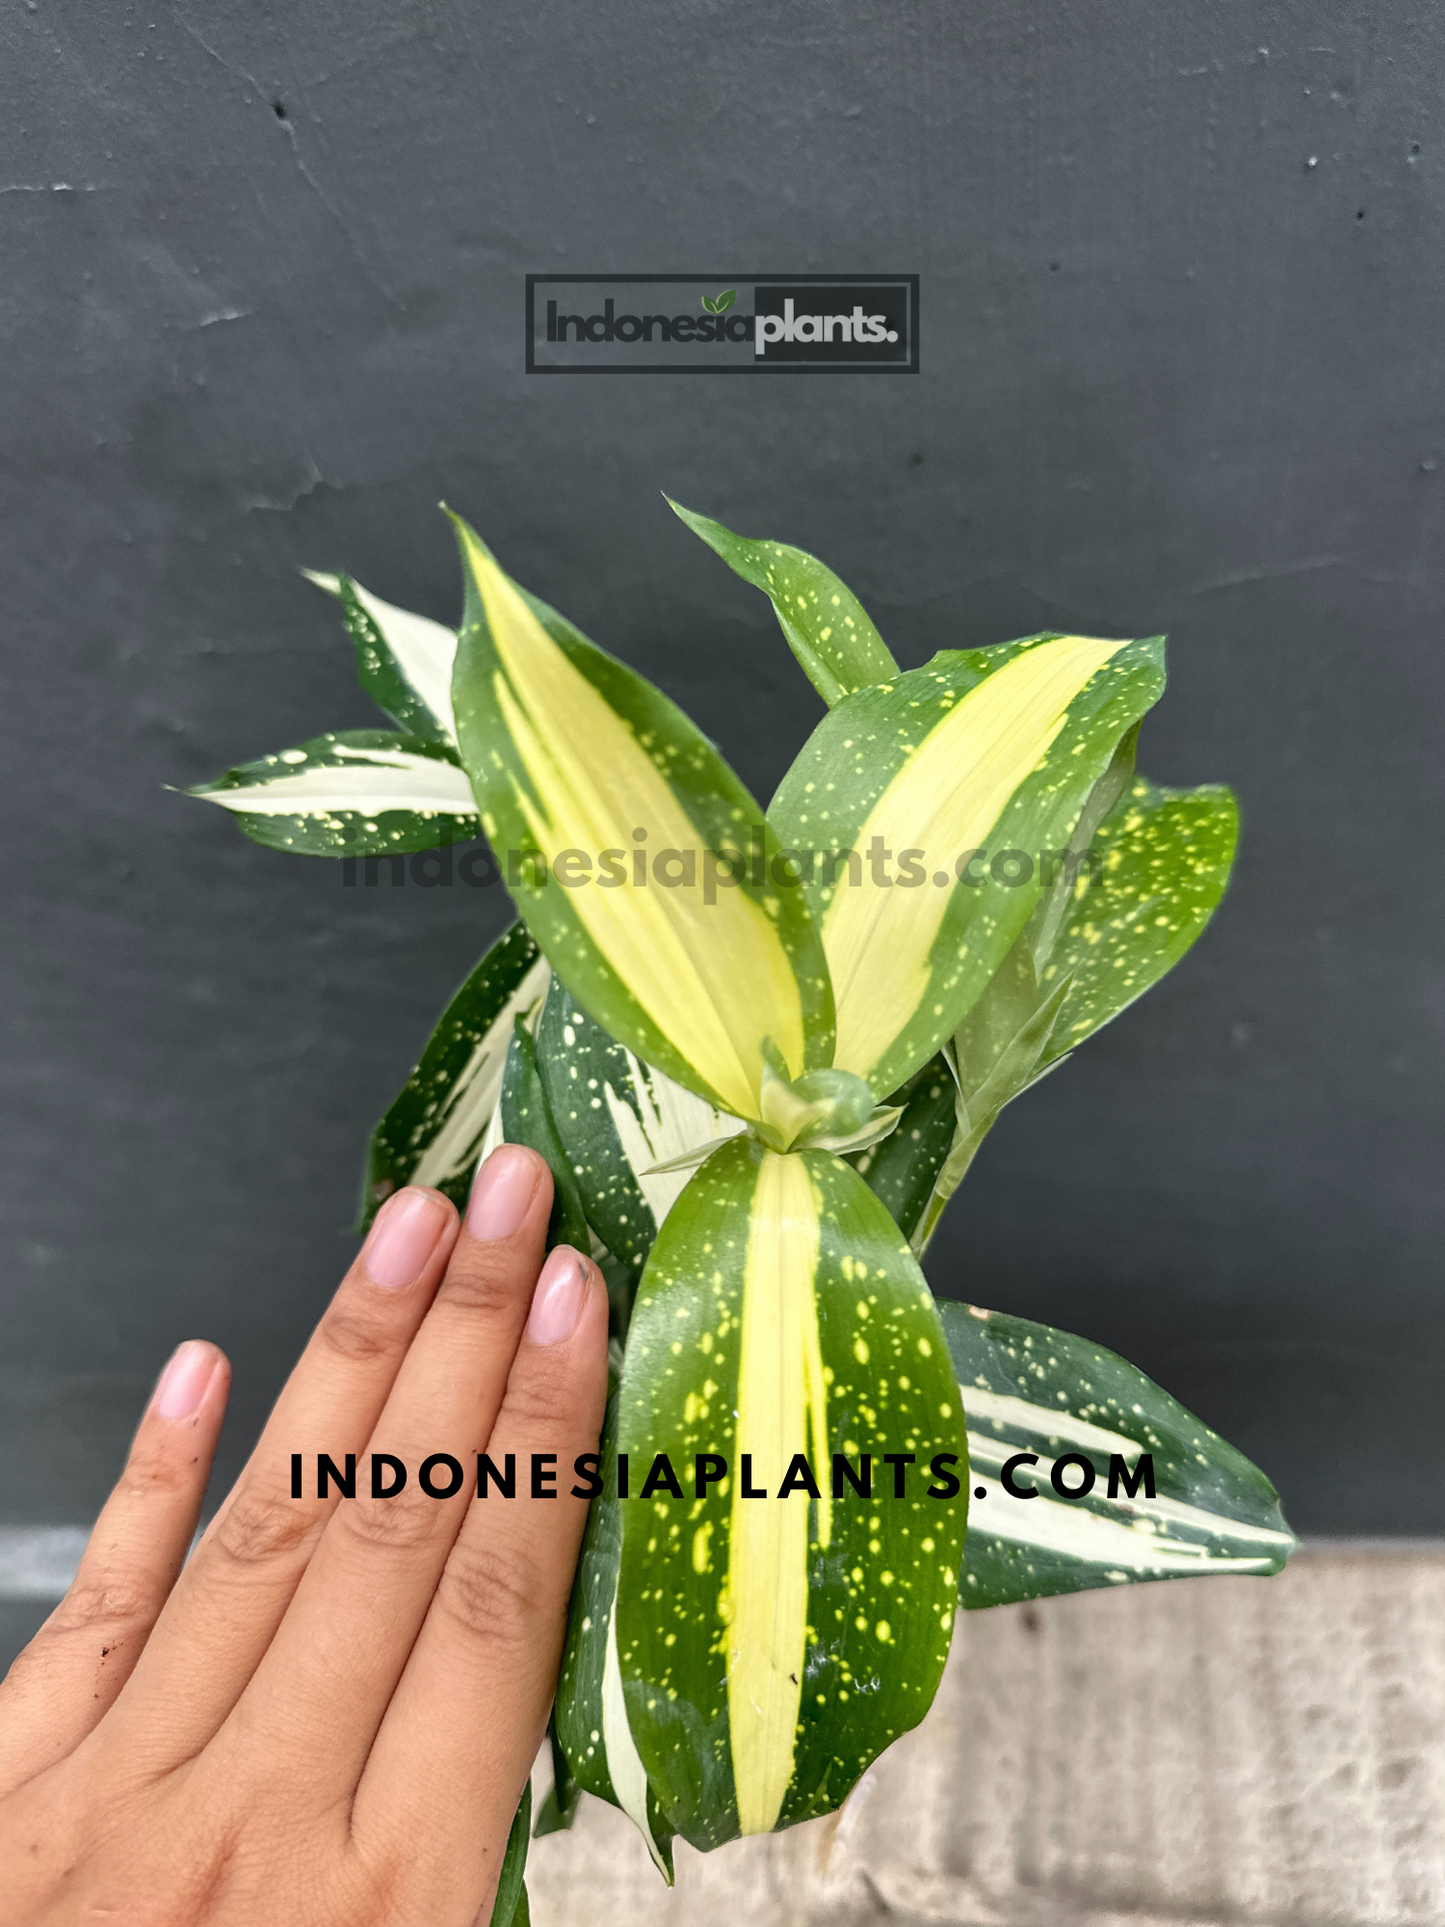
1028, 1389
404, 660
619, 1119
447, 1115
353, 792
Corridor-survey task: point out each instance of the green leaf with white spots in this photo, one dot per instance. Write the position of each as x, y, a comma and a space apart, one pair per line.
1030, 1389
591, 1713
403, 661
526, 1118
827, 627
970, 774
352, 792
771, 1646
695, 960
432, 1133
618, 1118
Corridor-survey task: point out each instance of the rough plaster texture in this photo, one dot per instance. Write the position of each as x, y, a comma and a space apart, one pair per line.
261, 306
1219, 1752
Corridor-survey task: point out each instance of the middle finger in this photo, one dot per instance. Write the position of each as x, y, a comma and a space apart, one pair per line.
326, 1680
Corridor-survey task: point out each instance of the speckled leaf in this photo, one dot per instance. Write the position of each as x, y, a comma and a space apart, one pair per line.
1159, 863
352, 792
526, 1118
576, 758
1030, 1389
617, 1118
827, 627
772, 1646
432, 1132
903, 1168
990, 750
591, 1712
1164, 861
403, 661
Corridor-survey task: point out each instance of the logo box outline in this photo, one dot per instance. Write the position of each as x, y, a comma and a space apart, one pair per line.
762, 367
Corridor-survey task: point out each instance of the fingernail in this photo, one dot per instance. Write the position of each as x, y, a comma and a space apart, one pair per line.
505, 1187
403, 1238
560, 1295
183, 1382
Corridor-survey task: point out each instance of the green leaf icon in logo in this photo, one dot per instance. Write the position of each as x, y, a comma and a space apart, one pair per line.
719, 304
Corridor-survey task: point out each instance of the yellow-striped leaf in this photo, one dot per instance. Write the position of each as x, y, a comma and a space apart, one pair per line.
639, 860
941, 803
774, 1639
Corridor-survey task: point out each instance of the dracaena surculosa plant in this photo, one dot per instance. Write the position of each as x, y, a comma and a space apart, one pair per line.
760, 1065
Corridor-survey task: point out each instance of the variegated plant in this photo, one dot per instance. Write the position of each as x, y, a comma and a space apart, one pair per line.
759, 1066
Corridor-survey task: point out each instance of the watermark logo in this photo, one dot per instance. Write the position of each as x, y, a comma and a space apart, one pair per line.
722, 324
476, 866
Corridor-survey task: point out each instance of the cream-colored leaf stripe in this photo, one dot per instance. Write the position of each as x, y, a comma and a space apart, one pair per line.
1136, 1538
781, 1399
351, 781
668, 1122
949, 792
424, 651
714, 979
624, 1764
471, 1104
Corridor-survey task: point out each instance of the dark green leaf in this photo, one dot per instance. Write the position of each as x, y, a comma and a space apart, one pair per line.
352, 792
509, 1909
432, 1133
527, 1119
903, 1168
1029, 1389
591, 1710
403, 661
617, 1119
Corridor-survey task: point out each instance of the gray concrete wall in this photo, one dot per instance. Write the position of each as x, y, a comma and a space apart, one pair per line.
261, 306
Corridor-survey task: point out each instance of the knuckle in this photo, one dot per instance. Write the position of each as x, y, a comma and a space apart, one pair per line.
355, 1337
405, 1523
541, 1394
480, 1286
110, 1599
495, 1594
149, 1472
257, 1528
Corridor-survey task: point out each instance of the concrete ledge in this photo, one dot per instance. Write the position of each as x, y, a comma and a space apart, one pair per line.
1211, 1751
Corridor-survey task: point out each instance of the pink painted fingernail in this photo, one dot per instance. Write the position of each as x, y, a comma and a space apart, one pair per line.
403, 1239
183, 1382
560, 1295
503, 1192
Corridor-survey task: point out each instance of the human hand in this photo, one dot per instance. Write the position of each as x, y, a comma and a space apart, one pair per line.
328, 1716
